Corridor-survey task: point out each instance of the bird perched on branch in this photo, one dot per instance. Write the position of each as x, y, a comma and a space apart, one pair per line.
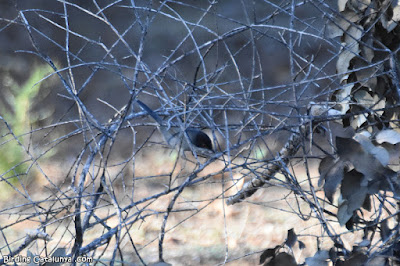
191, 139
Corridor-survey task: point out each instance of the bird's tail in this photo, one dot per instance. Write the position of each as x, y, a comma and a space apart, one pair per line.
150, 112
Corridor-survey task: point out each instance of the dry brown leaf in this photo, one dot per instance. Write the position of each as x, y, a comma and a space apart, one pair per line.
395, 117
364, 243
379, 153
367, 205
291, 238
388, 135
378, 260
320, 258
395, 18
385, 230
380, 103
360, 4
282, 258
363, 98
358, 120
366, 75
343, 213
331, 171
343, 62
342, 5
351, 151
353, 194
396, 13
341, 24
268, 253
343, 97
356, 259
389, 23
343, 79
366, 52
351, 48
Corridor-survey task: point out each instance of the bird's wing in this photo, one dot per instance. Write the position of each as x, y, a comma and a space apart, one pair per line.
151, 113
171, 135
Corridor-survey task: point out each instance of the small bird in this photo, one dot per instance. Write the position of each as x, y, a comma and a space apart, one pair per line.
200, 143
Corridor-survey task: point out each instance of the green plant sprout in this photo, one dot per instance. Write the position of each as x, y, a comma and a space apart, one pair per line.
14, 161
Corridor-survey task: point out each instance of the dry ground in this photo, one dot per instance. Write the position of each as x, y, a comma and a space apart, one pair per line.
202, 232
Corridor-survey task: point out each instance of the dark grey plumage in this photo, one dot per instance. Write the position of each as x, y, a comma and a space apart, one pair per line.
200, 142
